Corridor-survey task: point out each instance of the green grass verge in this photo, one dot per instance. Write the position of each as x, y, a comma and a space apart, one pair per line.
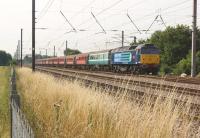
4, 102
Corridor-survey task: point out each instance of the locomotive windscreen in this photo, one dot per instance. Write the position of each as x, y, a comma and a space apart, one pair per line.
150, 50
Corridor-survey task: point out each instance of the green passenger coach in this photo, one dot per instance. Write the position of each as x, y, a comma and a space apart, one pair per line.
99, 58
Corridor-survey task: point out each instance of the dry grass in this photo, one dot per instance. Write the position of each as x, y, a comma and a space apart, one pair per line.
4, 105
59, 108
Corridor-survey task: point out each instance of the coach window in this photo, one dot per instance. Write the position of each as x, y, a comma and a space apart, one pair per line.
138, 51
91, 57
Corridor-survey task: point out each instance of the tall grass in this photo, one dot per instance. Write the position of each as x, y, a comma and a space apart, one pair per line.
4, 104
64, 109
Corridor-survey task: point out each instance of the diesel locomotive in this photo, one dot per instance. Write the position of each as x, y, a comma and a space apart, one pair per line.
139, 59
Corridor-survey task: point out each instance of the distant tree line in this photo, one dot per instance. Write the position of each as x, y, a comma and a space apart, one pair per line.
175, 45
72, 51
28, 58
5, 58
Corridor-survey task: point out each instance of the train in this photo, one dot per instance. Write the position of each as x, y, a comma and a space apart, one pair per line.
140, 59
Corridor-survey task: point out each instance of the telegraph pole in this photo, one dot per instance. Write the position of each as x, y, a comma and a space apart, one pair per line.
46, 53
122, 38
33, 35
18, 51
16, 54
66, 49
54, 51
21, 45
194, 41
135, 40
66, 54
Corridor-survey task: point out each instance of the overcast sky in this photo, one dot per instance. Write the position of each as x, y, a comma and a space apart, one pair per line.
111, 14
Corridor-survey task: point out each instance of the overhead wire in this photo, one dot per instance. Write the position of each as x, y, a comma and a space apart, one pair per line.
107, 7
165, 9
74, 15
74, 29
98, 22
133, 23
150, 15
102, 11
120, 12
136, 4
45, 10
175, 10
84, 8
175, 5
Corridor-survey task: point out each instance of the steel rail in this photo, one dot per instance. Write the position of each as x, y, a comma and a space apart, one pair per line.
132, 88
129, 81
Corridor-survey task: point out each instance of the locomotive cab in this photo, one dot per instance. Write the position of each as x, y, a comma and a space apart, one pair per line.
148, 57
148, 54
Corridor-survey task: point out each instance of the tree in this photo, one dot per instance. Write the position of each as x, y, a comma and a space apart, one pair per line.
5, 58
184, 66
72, 51
174, 43
28, 58
140, 41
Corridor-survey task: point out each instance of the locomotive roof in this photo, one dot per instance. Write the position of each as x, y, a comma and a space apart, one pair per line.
145, 45
100, 51
125, 48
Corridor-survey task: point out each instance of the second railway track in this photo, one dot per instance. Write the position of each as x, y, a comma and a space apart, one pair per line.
135, 86
186, 89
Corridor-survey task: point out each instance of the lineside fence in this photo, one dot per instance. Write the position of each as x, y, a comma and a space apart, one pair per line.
20, 127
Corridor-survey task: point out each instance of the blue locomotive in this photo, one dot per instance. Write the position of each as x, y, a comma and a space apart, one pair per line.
136, 59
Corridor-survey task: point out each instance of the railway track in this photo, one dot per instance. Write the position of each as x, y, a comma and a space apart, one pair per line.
133, 86
187, 80
150, 82
170, 78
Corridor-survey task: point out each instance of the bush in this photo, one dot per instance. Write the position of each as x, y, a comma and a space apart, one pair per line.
13, 62
165, 69
184, 66
5, 58
198, 61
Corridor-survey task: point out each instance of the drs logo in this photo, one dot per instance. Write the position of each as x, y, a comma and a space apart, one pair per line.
123, 57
